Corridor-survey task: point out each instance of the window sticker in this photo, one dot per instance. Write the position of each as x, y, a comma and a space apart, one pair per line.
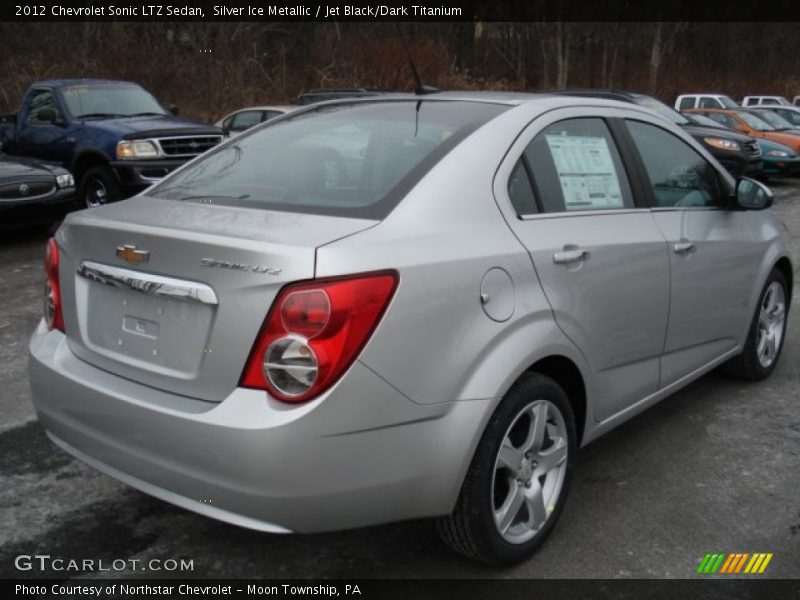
586, 171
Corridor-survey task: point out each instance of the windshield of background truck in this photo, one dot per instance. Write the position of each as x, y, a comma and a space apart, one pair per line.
109, 100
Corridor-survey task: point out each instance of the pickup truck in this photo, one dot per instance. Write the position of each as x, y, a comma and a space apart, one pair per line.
114, 136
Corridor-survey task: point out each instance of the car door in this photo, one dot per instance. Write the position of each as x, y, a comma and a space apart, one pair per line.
598, 253
40, 138
713, 260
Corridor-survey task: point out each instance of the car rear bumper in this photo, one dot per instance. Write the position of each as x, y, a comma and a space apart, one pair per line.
360, 455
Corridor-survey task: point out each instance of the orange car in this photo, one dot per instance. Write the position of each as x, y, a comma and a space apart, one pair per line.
751, 124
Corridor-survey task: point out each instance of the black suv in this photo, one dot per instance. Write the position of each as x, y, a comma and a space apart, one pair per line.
738, 153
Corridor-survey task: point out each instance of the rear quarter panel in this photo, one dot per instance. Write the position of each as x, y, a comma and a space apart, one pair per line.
435, 343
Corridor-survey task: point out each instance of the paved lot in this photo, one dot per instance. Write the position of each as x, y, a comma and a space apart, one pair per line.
714, 468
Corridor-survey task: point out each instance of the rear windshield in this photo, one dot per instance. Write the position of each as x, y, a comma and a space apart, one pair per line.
350, 160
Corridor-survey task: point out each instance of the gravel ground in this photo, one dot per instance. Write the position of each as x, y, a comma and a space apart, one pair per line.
714, 468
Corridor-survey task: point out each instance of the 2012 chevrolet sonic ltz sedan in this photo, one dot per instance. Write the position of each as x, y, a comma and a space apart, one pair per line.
403, 307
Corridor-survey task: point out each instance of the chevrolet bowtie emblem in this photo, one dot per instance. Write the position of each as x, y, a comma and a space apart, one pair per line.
133, 255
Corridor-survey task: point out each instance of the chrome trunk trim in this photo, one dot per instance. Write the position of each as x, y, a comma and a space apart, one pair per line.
146, 283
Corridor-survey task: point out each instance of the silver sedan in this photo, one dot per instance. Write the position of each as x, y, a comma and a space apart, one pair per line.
490, 282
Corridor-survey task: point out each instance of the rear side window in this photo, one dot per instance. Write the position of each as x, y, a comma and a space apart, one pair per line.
245, 120
40, 100
520, 191
679, 175
357, 160
576, 167
686, 103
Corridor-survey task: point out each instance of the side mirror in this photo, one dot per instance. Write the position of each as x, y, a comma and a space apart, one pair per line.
752, 194
48, 115
173, 108
226, 129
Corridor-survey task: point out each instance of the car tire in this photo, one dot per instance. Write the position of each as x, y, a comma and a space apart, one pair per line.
479, 527
98, 187
767, 332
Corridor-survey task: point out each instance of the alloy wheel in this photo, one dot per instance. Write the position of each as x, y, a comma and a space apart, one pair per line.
771, 320
529, 471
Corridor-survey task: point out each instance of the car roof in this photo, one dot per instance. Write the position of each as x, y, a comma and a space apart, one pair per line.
284, 107
491, 97
67, 82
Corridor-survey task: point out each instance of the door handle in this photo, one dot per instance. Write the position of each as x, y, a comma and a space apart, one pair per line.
569, 256
684, 247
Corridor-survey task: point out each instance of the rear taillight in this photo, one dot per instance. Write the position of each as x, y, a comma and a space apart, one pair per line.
53, 315
313, 333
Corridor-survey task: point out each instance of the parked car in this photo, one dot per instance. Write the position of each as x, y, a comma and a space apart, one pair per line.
788, 113
778, 159
245, 118
689, 101
751, 124
775, 120
33, 192
765, 101
738, 153
506, 278
114, 136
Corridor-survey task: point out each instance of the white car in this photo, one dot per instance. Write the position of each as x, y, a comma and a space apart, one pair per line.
690, 101
245, 118
765, 101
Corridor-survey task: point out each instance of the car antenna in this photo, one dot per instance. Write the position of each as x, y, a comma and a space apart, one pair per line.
422, 88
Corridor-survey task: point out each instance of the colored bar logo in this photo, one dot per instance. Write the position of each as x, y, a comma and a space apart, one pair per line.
734, 563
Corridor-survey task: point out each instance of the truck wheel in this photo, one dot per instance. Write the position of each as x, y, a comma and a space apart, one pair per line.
517, 483
98, 187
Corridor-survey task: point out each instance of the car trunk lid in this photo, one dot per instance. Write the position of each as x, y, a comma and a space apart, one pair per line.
173, 294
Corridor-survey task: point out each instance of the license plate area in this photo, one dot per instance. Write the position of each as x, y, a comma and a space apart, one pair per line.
150, 322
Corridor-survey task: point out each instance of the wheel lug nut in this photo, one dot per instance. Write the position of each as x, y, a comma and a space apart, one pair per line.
528, 483
528, 454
